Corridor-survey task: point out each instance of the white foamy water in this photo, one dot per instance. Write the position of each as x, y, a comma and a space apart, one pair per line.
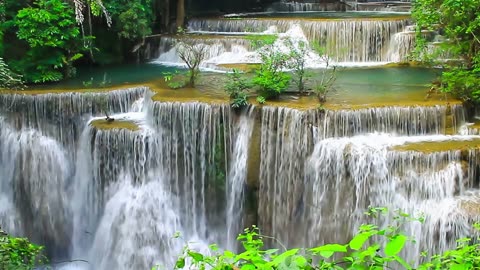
116, 197
345, 50
237, 178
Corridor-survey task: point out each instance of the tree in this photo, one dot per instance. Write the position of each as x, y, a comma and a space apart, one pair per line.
236, 88
270, 77
180, 13
297, 62
192, 54
50, 29
459, 22
324, 85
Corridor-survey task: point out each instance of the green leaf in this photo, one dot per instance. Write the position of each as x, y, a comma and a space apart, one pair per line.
271, 251
330, 247
326, 254
300, 261
280, 258
196, 256
248, 267
357, 242
458, 266
395, 245
180, 263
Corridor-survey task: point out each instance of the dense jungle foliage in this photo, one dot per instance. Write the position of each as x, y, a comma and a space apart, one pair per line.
19, 253
44, 40
458, 51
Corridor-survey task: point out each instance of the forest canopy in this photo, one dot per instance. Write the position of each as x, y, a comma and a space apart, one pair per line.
42, 39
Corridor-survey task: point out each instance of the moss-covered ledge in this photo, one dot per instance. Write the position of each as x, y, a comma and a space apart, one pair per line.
428, 147
103, 124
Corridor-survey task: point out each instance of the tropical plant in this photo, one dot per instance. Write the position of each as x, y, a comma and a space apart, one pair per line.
19, 253
373, 247
50, 29
270, 76
192, 54
297, 62
324, 85
458, 21
236, 87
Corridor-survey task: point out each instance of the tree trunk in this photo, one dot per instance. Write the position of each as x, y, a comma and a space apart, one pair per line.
180, 13
166, 13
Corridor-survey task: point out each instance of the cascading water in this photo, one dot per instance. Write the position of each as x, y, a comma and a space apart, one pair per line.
34, 189
116, 196
346, 42
237, 178
318, 174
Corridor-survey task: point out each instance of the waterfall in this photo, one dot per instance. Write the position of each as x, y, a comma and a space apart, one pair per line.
34, 171
61, 116
115, 196
365, 40
218, 50
320, 172
139, 220
237, 177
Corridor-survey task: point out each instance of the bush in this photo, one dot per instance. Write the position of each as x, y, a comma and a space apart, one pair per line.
270, 77
235, 88
19, 253
373, 247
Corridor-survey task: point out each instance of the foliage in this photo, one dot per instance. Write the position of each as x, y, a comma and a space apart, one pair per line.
297, 62
132, 19
174, 80
459, 22
9, 79
235, 88
192, 54
324, 86
96, 7
261, 100
270, 77
50, 29
19, 253
373, 247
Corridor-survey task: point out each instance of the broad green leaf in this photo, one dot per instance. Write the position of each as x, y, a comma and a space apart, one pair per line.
280, 258
180, 263
395, 245
357, 242
300, 261
458, 266
330, 247
326, 254
248, 267
196, 256
228, 254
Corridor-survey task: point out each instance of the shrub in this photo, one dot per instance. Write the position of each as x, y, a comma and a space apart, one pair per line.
235, 88
19, 253
270, 77
373, 247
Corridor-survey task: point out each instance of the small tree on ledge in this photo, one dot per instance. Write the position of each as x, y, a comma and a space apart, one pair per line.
192, 54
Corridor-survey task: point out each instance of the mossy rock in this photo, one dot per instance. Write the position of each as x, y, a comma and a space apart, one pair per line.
103, 124
428, 147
